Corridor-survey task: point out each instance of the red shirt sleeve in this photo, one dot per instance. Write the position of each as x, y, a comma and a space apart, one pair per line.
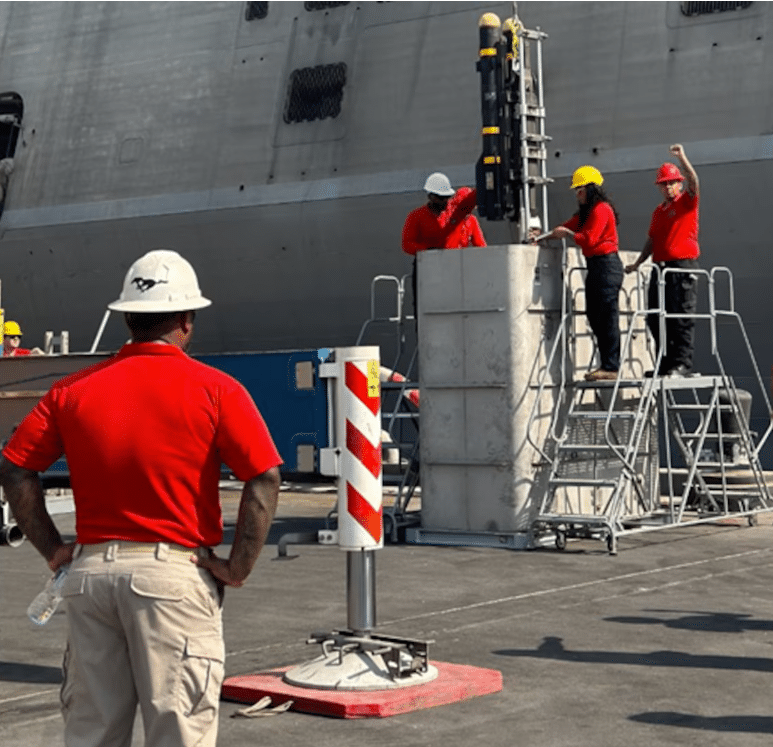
478, 239
242, 438
573, 223
463, 203
456, 232
37, 444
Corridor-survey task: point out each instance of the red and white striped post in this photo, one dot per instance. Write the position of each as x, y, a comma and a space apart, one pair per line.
357, 439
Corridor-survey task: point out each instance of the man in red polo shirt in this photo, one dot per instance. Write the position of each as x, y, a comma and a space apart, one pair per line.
672, 241
440, 223
144, 434
445, 222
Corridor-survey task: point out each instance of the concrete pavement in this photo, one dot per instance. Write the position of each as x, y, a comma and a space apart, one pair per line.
669, 642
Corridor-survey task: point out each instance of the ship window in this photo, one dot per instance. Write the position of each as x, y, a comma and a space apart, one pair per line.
704, 8
11, 111
255, 11
323, 6
315, 93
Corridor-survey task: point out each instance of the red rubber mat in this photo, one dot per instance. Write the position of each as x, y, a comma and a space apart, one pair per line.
454, 682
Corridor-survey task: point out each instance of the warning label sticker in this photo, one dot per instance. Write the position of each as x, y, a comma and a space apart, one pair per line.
374, 388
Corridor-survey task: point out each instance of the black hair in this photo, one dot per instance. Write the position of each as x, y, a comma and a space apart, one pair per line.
595, 193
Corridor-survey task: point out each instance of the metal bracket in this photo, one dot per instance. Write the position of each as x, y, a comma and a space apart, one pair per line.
403, 657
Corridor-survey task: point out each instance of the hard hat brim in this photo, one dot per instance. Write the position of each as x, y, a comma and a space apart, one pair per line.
159, 307
444, 193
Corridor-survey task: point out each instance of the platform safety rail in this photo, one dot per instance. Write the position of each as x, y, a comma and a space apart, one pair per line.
607, 440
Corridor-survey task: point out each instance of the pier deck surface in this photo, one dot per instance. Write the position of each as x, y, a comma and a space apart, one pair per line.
670, 642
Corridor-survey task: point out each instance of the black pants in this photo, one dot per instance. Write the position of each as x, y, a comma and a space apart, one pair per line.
602, 306
681, 297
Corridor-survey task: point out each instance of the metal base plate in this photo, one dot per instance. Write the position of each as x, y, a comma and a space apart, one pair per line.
460, 538
354, 670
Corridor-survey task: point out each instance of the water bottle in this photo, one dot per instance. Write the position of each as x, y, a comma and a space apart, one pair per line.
44, 604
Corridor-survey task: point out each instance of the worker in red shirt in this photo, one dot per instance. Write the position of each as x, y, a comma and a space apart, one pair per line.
445, 222
144, 434
439, 223
672, 242
594, 229
12, 335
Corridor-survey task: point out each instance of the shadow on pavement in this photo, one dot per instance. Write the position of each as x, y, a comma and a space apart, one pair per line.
710, 622
553, 648
749, 724
15, 672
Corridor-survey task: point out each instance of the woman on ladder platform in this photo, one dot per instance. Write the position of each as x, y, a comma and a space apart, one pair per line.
594, 229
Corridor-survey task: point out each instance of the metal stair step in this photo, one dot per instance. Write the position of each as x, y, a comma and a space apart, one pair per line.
751, 491
621, 383
687, 407
587, 447
539, 180
581, 482
601, 414
535, 137
572, 518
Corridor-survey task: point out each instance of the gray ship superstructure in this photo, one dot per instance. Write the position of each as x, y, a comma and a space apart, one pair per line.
280, 145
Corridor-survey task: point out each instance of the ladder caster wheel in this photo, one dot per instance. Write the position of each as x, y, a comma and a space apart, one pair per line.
612, 544
560, 540
753, 520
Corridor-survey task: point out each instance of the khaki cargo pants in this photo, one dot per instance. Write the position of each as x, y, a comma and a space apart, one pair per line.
145, 628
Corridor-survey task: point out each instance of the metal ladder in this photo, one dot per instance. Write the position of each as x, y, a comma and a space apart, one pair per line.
399, 409
604, 479
715, 457
532, 137
511, 174
595, 475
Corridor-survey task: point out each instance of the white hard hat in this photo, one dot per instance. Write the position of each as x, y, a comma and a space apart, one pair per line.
439, 184
160, 281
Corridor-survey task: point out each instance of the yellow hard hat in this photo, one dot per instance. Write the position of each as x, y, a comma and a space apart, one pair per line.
586, 175
10, 329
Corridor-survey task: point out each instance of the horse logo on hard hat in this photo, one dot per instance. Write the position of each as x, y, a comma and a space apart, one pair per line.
145, 284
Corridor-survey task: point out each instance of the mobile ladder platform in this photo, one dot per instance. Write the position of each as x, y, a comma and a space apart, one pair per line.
608, 439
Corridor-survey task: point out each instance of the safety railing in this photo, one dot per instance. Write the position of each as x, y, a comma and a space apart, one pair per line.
610, 517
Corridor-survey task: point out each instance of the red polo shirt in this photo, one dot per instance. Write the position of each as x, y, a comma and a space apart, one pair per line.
144, 434
674, 229
425, 230
599, 234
